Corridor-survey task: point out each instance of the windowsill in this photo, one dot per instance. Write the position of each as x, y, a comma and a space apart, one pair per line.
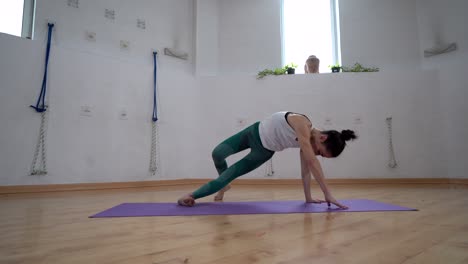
316, 74
15, 36
390, 72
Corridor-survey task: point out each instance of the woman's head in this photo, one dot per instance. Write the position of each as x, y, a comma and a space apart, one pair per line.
331, 143
312, 64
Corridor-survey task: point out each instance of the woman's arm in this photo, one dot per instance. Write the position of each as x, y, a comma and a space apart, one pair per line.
306, 182
302, 127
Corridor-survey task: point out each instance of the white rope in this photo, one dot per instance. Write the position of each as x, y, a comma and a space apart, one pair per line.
41, 147
269, 168
154, 160
392, 161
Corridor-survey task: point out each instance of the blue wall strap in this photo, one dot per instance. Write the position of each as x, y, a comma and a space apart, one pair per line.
155, 106
40, 105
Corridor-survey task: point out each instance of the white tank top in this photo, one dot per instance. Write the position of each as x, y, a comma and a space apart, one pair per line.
276, 134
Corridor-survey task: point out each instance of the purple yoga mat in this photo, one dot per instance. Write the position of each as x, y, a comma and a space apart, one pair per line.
236, 208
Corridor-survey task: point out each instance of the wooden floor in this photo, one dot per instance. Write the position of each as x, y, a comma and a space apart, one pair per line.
55, 228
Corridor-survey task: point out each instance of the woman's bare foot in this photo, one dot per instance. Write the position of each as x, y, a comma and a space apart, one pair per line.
186, 200
219, 197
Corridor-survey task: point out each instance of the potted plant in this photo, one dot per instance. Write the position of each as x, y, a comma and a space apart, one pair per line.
290, 68
335, 68
287, 69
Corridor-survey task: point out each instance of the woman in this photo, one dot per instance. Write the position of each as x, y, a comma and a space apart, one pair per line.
279, 131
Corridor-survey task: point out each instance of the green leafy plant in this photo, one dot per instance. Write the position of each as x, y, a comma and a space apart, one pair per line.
357, 67
335, 67
291, 65
290, 68
277, 71
266, 72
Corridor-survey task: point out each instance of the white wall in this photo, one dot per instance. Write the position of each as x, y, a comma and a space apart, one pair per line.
379, 33
409, 98
98, 74
445, 22
237, 37
374, 33
168, 24
104, 148
206, 37
249, 35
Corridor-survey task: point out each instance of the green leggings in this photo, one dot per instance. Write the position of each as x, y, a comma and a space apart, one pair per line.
247, 138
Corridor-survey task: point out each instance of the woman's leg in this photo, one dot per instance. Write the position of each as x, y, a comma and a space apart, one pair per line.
220, 195
250, 162
228, 147
248, 138
232, 145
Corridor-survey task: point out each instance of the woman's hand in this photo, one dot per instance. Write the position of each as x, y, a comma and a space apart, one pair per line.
331, 200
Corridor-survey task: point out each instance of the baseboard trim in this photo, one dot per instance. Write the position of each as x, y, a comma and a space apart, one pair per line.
15, 189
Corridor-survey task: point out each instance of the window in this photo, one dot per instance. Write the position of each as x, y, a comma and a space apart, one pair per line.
311, 27
16, 17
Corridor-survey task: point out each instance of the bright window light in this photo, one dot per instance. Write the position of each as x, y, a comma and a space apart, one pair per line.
11, 17
308, 30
